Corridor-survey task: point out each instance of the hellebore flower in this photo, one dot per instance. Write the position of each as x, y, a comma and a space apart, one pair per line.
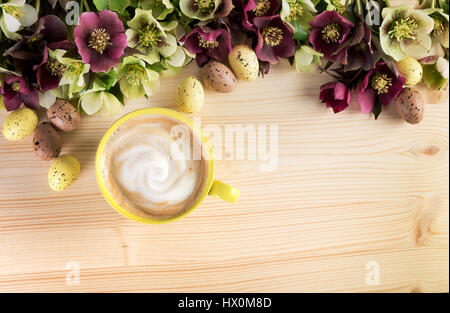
330, 30
274, 39
305, 57
100, 39
435, 76
199, 9
207, 43
160, 8
380, 84
440, 32
16, 14
360, 51
297, 14
148, 36
135, 80
31, 51
15, 91
406, 32
336, 95
74, 74
100, 101
258, 8
336, 5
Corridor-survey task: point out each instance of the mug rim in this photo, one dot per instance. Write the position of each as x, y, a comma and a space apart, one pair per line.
153, 111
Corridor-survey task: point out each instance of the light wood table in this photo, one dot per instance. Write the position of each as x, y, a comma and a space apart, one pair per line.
350, 195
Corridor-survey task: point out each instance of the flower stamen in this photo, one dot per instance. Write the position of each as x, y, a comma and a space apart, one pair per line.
331, 33
381, 83
272, 36
439, 25
262, 6
135, 75
149, 36
295, 11
14, 11
99, 40
55, 67
207, 44
204, 6
403, 29
338, 6
15, 86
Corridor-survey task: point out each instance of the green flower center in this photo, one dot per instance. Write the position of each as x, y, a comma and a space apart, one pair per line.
331, 33
439, 24
381, 83
295, 11
149, 36
338, 6
55, 67
135, 75
204, 6
14, 11
403, 29
15, 86
272, 36
262, 6
207, 44
99, 40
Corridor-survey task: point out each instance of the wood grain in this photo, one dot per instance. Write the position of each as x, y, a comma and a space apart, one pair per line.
348, 190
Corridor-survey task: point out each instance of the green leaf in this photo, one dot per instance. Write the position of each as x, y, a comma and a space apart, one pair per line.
105, 81
432, 78
119, 5
377, 109
157, 67
115, 90
299, 32
101, 4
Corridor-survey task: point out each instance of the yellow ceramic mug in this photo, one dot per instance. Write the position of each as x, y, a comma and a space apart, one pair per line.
212, 187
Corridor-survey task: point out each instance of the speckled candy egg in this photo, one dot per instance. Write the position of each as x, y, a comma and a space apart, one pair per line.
190, 95
244, 63
19, 124
47, 142
63, 115
63, 172
410, 105
410, 69
218, 77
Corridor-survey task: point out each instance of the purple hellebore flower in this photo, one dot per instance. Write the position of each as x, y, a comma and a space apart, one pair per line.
32, 50
207, 43
360, 51
336, 95
258, 8
100, 39
15, 92
330, 30
274, 39
380, 84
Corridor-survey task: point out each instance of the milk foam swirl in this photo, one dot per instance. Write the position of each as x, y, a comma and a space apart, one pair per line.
151, 169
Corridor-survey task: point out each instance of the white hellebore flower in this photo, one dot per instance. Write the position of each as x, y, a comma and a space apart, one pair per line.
15, 15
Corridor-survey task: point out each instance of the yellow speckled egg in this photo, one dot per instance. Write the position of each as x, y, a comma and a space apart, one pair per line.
244, 63
19, 124
410, 69
190, 95
63, 172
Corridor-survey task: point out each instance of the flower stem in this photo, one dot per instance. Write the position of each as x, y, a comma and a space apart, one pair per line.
86, 5
38, 4
387, 3
358, 6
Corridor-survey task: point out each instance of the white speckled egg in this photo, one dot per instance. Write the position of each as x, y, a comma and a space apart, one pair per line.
244, 63
19, 124
63, 172
190, 95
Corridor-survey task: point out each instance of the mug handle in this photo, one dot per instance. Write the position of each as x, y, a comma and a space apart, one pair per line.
223, 191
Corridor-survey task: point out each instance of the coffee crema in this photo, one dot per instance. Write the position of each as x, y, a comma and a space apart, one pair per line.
146, 170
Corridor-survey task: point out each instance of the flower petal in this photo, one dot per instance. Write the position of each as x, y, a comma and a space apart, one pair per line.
12, 24
417, 48
31, 99
29, 15
91, 102
169, 47
366, 95
110, 21
111, 106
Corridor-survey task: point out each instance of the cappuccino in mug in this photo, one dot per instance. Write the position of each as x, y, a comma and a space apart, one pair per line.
146, 168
